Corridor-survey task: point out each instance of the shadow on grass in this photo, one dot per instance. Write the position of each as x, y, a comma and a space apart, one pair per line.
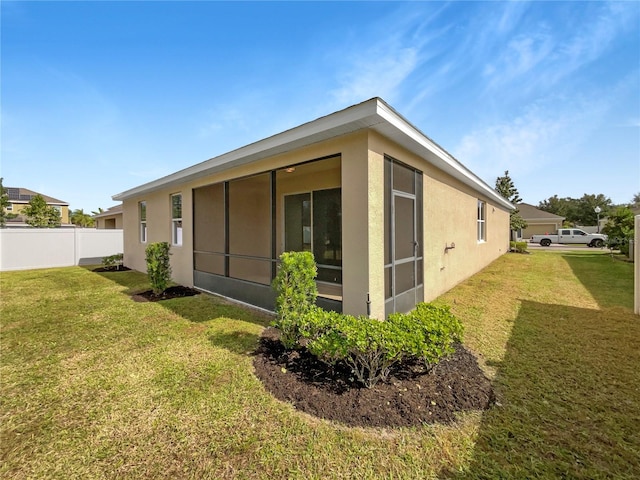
609, 281
133, 281
205, 307
199, 308
569, 403
236, 341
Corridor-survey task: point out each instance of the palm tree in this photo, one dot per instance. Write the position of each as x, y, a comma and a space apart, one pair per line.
81, 219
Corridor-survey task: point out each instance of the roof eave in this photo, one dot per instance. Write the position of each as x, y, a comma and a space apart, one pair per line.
374, 113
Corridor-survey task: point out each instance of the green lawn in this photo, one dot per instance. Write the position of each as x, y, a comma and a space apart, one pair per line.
97, 386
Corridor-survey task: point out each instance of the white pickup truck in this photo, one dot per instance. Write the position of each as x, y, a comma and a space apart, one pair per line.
570, 235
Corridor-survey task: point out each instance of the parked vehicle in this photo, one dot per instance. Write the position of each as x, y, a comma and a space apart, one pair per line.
570, 235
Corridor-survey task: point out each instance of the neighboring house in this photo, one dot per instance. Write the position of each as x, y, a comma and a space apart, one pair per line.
391, 217
538, 221
19, 198
110, 219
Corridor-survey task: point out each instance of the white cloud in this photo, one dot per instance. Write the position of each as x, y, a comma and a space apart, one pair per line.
544, 54
545, 134
375, 74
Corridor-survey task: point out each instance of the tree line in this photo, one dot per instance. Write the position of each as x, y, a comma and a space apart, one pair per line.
579, 212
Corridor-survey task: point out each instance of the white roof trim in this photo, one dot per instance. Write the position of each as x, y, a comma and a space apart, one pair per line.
374, 114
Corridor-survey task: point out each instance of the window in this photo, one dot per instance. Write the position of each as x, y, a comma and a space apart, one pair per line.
10, 207
482, 224
176, 219
142, 208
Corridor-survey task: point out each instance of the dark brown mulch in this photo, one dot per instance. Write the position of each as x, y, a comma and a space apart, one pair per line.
119, 268
410, 396
172, 292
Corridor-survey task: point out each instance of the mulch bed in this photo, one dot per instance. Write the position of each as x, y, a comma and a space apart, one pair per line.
118, 268
410, 396
177, 291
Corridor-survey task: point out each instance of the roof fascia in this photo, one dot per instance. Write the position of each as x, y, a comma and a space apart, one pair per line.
374, 113
344, 121
421, 144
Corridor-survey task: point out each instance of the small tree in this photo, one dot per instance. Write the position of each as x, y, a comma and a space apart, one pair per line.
620, 229
158, 266
41, 215
4, 203
507, 189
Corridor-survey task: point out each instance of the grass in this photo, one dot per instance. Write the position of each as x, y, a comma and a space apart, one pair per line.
97, 386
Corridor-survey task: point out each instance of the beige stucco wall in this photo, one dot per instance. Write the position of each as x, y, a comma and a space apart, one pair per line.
449, 216
115, 220
159, 230
158, 204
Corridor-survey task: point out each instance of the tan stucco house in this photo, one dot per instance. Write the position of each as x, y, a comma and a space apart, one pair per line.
110, 219
20, 197
538, 221
391, 217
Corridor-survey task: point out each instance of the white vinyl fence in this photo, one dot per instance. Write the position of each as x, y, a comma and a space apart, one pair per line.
27, 248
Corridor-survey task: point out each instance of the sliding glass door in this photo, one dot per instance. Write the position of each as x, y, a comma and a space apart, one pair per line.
313, 223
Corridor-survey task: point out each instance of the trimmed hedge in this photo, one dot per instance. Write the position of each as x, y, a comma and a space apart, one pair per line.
297, 292
519, 247
370, 347
158, 267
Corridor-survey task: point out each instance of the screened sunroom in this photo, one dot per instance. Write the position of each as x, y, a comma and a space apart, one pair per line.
391, 218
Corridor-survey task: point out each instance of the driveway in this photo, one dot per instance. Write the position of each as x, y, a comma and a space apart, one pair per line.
557, 247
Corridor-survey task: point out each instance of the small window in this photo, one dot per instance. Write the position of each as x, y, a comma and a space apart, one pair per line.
10, 207
176, 219
482, 224
142, 208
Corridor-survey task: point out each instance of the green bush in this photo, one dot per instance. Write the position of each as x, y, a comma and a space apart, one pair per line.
158, 267
433, 331
113, 260
518, 247
371, 348
368, 346
296, 293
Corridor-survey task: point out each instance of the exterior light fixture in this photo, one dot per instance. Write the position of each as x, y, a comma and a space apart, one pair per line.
290, 169
598, 210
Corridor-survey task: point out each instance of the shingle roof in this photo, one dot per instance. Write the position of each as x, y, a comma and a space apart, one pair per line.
115, 210
529, 212
24, 195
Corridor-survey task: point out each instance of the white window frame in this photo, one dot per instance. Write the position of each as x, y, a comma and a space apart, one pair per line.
482, 221
143, 221
10, 207
176, 223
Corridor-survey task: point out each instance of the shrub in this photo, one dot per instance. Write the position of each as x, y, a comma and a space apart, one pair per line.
158, 267
620, 229
296, 293
518, 247
371, 347
368, 346
434, 329
113, 260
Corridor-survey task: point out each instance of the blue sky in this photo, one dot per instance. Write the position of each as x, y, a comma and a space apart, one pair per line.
99, 97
